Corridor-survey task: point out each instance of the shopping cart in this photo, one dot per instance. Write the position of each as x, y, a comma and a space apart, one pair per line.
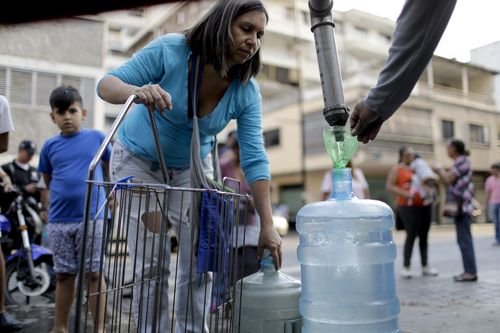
146, 273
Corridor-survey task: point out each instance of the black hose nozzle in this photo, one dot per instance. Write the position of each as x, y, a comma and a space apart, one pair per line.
337, 116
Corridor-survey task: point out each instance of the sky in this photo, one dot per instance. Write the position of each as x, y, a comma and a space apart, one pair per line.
474, 23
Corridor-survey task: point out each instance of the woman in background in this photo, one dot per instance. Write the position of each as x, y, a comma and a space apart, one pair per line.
410, 208
461, 190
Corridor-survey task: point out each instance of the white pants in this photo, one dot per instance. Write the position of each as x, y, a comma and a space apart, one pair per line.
150, 299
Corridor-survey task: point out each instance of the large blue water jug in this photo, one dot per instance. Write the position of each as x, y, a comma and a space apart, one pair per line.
347, 255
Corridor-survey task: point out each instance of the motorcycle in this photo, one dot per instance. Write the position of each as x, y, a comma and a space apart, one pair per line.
29, 274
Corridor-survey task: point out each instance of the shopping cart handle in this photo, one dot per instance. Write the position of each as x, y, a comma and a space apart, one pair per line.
120, 183
109, 136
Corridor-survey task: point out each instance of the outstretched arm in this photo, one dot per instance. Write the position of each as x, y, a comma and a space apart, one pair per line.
418, 30
269, 237
115, 91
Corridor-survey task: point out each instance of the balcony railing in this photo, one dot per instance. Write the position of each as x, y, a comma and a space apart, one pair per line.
442, 91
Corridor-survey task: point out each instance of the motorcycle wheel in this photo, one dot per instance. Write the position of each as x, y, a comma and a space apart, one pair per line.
15, 293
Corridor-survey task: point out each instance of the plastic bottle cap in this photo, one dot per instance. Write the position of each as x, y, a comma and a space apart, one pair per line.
266, 262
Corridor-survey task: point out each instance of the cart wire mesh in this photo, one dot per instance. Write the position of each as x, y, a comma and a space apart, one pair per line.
153, 265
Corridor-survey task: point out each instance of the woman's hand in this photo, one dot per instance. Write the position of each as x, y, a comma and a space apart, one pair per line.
115, 91
154, 97
270, 239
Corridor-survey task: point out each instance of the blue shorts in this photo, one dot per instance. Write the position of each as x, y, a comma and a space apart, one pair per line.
65, 241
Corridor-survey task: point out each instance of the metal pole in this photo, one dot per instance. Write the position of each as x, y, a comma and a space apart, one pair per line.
336, 111
88, 203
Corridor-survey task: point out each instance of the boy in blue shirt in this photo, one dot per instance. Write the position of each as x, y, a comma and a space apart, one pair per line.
64, 163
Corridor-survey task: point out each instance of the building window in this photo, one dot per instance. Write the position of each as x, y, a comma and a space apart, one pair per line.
279, 74
31, 89
3, 81
272, 138
45, 83
448, 129
282, 75
478, 134
20, 90
314, 123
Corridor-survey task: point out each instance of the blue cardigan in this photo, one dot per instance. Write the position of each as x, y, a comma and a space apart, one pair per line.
164, 61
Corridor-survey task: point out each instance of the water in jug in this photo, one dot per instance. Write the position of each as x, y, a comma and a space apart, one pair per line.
269, 301
347, 255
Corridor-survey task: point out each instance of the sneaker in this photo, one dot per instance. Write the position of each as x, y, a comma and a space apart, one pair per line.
406, 273
465, 277
9, 323
429, 271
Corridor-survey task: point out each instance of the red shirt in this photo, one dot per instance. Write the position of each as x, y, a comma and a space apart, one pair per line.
403, 181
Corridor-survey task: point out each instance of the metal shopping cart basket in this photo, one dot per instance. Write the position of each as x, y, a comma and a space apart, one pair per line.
141, 285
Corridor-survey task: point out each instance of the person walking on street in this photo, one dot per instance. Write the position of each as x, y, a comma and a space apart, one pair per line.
492, 199
7, 322
64, 163
410, 207
226, 43
461, 191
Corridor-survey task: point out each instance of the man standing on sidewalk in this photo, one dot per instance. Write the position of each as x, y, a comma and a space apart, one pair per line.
7, 322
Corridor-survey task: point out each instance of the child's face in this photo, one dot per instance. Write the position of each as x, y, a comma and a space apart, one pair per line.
69, 121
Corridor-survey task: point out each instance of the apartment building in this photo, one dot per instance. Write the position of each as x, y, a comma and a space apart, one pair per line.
489, 56
37, 57
452, 99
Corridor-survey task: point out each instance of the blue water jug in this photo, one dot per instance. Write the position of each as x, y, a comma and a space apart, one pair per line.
269, 301
347, 255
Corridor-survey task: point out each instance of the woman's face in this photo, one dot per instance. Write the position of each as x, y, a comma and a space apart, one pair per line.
247, 30
408, 156
450, 149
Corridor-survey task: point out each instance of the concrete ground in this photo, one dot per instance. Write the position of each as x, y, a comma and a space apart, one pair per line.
428, 304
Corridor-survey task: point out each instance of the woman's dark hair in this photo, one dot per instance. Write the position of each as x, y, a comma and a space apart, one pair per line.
62, 97
459, 147
211, 37
402, 151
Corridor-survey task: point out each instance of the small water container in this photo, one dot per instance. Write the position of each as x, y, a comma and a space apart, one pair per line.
270, 301
347, 255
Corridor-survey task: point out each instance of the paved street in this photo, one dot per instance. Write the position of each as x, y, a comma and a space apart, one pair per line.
438, 304
428, 304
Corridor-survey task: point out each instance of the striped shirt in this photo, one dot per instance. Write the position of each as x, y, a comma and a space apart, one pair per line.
462, 187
